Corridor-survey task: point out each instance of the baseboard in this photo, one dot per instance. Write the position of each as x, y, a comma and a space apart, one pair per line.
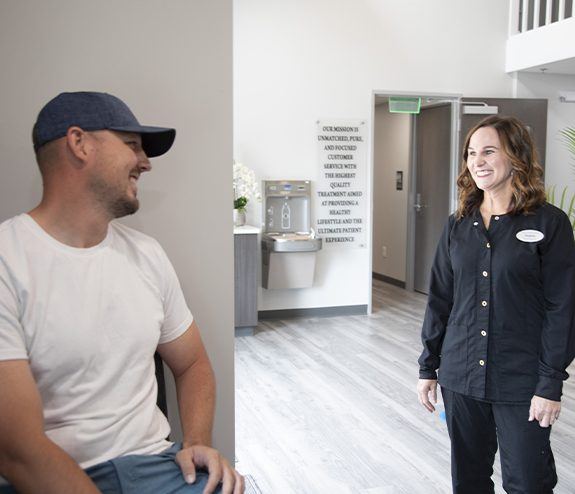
343, 310
388, 279
244, 331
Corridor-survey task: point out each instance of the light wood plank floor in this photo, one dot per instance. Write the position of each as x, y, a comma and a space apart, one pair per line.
328, 405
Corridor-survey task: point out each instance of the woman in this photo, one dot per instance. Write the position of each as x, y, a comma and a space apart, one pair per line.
499, 321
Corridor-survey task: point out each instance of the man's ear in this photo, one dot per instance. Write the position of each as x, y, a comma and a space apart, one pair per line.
79, 143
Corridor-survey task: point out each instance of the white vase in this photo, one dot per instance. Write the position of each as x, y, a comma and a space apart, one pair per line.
239, 217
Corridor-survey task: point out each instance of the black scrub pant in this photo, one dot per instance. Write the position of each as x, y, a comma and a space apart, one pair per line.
475, 427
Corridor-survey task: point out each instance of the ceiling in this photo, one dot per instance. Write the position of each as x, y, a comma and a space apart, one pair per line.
566, 66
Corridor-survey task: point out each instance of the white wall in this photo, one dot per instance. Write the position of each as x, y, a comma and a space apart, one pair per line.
299, 61
551, 43
172, 63
392, 143
560, 165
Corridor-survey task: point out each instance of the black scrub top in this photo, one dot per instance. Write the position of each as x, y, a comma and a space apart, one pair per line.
499, 323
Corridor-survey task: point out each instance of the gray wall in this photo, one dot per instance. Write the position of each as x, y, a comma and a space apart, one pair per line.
392, 141
172, 63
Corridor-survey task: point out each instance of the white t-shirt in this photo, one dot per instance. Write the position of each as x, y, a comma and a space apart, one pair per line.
89, 321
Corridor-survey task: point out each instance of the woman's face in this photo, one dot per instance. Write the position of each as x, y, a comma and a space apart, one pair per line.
486, 161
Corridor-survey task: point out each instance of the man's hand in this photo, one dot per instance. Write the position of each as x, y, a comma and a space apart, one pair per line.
545, 411
195, 385
219, 470
427, 393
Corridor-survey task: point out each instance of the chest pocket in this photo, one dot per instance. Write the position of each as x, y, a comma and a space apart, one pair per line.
517, 260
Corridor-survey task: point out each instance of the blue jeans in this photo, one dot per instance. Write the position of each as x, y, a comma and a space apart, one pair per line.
141, 474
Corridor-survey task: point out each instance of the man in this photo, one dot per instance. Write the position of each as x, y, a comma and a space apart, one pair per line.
84, 304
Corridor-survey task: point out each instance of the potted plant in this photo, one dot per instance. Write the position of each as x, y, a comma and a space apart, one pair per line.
566, 200
245, 188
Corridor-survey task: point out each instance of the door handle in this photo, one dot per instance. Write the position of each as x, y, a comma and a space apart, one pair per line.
418, 206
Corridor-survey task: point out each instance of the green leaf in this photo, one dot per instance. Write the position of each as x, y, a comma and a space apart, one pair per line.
571, 209
241, 203
563, 194
568, 135
551, 194
570, 199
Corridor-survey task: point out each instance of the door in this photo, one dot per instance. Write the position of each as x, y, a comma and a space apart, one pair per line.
432, 186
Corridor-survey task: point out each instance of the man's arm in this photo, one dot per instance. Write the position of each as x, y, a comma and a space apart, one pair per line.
30, 461
196, 389
195, 385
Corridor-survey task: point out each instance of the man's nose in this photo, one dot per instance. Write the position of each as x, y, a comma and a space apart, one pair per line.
144, 164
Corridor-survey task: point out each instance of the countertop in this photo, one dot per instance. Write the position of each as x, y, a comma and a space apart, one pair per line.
246, 229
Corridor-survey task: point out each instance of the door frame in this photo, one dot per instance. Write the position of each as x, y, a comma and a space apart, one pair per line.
455, 100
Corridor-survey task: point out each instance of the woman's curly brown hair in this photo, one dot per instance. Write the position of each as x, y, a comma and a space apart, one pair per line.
527, 179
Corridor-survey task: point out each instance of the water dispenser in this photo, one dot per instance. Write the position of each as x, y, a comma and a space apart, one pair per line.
289, 244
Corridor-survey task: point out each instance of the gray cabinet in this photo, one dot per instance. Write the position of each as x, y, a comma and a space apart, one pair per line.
245, 282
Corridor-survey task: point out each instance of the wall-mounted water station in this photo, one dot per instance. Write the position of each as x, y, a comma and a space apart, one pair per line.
289, 243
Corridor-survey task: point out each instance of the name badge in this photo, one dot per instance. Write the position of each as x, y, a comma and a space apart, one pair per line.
530, 235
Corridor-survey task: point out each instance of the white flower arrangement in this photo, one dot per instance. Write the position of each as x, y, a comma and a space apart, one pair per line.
246, 186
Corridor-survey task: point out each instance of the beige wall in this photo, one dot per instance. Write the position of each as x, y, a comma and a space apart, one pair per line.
172, 63
392, 138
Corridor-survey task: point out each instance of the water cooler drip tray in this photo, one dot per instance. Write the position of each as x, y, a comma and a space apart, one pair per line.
289, 260
291, 242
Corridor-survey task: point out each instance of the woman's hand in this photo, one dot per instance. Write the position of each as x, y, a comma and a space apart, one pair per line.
427, 393
545, 411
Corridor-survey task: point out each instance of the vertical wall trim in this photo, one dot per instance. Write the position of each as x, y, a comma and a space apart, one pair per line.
410, 264
371, 187
454, 153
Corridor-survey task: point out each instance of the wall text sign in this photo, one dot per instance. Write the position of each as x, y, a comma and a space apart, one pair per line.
341, 188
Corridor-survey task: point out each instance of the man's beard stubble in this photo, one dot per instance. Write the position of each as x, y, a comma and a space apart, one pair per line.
113, 199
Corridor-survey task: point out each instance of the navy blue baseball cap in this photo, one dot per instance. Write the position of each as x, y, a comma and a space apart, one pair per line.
96, 111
